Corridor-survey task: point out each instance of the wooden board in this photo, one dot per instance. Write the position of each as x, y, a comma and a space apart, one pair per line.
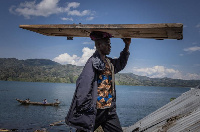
153, 31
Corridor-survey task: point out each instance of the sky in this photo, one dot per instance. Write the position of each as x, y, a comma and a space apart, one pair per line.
178, 59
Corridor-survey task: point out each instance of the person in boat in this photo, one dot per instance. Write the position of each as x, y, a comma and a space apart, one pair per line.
45, 101
94, 101
27, 100
57, 101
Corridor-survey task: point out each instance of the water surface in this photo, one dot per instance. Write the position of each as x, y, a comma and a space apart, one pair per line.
133, 103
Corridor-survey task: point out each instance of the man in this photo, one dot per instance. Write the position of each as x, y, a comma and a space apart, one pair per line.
94, 101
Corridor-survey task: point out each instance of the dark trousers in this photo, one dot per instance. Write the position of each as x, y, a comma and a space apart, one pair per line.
109, 123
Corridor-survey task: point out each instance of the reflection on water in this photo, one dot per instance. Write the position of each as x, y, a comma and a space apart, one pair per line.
133, 103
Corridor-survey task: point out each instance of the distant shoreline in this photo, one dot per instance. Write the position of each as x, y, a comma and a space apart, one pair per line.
75, 84
44, 70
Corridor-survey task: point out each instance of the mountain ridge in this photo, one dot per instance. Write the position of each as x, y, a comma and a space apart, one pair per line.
45, 70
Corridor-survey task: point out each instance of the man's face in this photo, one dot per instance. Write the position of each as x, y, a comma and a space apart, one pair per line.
105, 46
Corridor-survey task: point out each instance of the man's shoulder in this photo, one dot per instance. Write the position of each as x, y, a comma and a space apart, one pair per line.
90, 60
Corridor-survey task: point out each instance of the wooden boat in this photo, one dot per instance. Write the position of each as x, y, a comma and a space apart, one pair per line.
36, 103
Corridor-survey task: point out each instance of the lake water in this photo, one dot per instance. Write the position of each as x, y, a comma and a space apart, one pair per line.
133, 103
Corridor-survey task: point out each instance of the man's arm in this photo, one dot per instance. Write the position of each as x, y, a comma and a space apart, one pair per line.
121, 62
127, 42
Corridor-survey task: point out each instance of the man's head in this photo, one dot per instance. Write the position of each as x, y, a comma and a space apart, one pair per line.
103, 45
102, 41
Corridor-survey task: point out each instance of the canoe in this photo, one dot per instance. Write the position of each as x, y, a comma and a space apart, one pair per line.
36, 103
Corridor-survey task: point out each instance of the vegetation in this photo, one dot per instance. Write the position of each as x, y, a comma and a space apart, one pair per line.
44, 70
37, 70
132, 79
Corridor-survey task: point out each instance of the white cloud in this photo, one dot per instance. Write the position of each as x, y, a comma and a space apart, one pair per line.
73, 5
196, 65
194, 43
46, 8
89, 18
185, 26
154, 72
192, 76
66, 19
181, 54
198, 25
192, 49
90, 42
66, 58
78, 13
74, 59
161, 72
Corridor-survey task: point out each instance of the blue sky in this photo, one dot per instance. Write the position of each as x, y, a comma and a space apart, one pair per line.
153, 58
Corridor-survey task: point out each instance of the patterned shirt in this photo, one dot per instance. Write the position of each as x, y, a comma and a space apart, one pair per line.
104, 98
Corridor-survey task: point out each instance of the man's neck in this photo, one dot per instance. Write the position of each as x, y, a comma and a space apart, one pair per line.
103, 57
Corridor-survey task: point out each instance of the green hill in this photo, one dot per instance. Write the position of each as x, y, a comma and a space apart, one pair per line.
37, 70
44, 70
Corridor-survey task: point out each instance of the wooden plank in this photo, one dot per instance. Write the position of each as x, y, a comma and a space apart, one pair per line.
152, 31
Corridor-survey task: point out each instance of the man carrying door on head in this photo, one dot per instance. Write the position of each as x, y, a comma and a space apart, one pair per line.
94, 101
